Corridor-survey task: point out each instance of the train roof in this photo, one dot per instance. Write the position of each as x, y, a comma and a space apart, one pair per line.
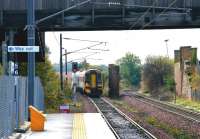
89, 70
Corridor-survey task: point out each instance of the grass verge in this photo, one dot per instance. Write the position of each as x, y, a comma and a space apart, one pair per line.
193, 105
173, 131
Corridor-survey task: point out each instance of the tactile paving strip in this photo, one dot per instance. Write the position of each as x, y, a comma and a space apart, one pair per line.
79, 130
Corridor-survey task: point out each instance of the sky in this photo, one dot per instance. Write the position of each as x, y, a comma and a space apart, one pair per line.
139, 42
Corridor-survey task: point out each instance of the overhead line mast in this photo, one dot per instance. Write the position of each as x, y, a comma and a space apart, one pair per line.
31, 55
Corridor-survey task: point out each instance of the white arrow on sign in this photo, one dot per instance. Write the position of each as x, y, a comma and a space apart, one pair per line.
23, 49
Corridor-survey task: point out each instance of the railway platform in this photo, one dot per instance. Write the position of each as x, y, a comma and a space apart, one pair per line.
73, 126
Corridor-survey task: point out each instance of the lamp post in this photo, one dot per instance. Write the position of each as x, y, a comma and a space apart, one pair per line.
166, 41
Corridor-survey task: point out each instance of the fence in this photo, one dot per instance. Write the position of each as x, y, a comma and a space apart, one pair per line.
13, 103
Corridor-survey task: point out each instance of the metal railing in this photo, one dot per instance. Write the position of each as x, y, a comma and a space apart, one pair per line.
14, 102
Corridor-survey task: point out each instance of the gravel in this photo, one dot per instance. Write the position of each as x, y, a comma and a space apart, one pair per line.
124, 128
87, 107
167, 118
138, 118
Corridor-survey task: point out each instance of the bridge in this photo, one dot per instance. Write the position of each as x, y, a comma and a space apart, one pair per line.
72, 15
64, 15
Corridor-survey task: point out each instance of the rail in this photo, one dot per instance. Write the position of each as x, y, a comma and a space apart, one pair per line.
177, 110
122, 126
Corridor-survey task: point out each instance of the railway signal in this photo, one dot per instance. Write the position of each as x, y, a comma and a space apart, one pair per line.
74, 67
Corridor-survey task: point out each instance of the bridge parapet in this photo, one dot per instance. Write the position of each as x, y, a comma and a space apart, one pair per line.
8, 5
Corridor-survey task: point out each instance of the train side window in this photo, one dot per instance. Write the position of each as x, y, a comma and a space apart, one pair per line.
99, 77
87, 78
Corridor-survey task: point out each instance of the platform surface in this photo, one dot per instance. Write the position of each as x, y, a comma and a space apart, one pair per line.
73, 126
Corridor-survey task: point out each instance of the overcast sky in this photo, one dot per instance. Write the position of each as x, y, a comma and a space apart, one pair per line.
140, 42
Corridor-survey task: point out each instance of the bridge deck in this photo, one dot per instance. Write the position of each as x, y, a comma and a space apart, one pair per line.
102, 15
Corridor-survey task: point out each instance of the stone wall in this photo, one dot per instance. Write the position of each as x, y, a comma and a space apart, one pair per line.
183, 69
177, 76
186, 87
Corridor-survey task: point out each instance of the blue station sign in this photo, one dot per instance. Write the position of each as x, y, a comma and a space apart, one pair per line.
23, 49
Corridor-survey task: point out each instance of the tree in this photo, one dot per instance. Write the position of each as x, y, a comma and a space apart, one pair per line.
130, 69
50, 81
157, 73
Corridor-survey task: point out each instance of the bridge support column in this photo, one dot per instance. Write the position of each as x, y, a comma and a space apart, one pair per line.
113, 81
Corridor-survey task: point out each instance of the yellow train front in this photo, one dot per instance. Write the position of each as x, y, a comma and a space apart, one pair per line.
90, 82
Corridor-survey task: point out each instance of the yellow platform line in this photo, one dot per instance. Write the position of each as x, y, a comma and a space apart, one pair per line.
79, 130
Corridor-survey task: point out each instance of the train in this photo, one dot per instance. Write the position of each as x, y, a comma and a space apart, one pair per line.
89, 82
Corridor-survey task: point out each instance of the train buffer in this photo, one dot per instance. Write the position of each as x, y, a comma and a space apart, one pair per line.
73, 126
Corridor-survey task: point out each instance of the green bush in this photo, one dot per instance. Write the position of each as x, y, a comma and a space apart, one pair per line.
169, 83
194, 56
51, 83
158, 73
195, 81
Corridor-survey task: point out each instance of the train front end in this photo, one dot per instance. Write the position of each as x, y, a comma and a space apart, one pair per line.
93, 83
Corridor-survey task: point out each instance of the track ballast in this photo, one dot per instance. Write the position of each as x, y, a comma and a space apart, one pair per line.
122, 126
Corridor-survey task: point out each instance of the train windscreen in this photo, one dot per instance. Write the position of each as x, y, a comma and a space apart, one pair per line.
93, 80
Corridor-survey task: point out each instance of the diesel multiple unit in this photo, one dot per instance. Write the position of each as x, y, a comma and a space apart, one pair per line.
90, 82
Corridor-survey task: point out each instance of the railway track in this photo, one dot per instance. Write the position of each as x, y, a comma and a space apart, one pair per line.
177, 110
122, 126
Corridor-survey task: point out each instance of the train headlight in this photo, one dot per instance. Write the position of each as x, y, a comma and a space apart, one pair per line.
87, 91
